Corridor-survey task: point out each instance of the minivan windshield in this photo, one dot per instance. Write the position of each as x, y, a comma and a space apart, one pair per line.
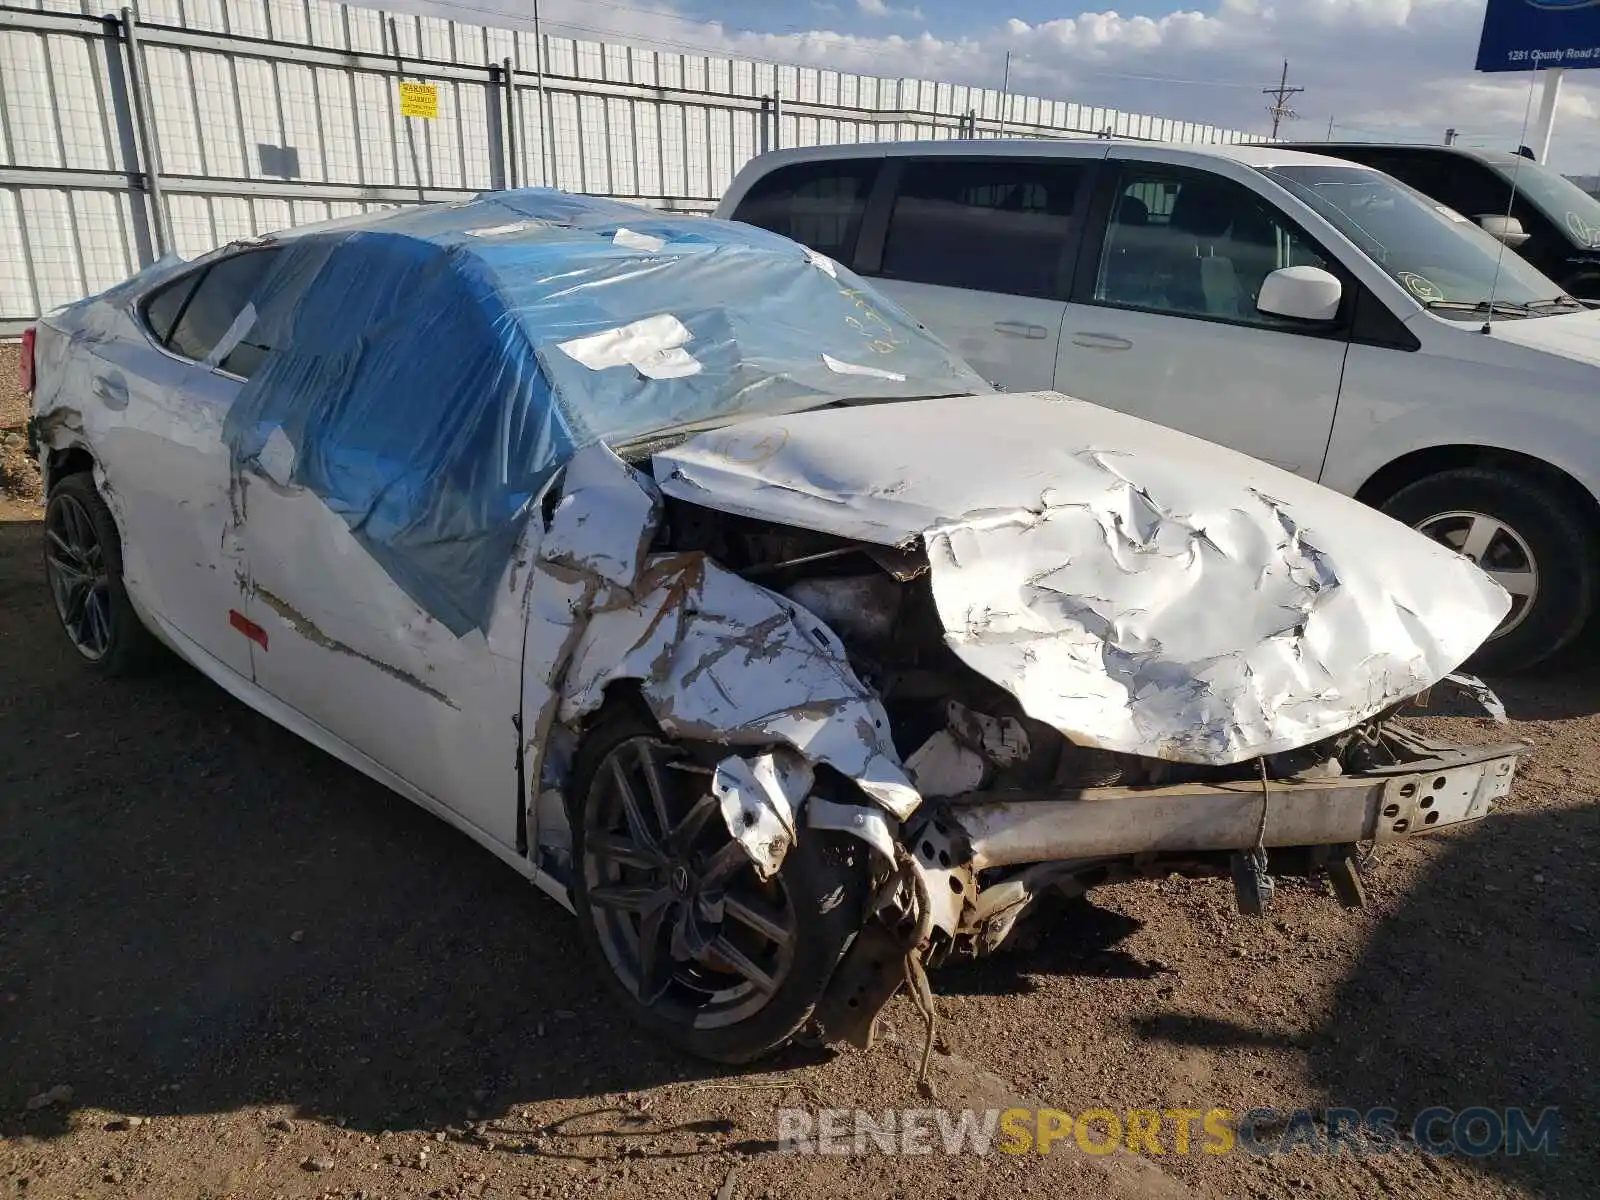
1573, 210
1441, 258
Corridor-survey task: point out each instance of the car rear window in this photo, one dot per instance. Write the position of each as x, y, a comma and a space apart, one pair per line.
817, 204
990, 226
162, 310
223, 292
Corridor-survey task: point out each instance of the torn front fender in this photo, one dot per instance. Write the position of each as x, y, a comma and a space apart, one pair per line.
720, 659
716, 658
761, 799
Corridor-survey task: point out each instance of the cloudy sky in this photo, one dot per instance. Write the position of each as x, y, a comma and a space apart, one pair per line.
1378, 69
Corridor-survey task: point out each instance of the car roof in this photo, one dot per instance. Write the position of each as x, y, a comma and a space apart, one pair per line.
1257, 154
1335, 149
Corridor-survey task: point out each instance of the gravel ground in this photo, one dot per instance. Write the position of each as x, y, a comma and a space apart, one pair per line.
261, 975
19, 475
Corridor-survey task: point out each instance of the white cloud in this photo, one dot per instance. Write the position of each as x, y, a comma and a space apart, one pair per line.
1379, 69
880, 8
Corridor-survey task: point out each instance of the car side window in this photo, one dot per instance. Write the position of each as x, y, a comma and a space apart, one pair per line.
1001, 225
164, 306
220, 297
1196, 245
818, 204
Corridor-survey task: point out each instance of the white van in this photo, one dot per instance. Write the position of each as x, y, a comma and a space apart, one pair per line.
1314, 313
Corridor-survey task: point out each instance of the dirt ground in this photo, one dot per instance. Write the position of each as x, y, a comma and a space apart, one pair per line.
19, 477
261, 975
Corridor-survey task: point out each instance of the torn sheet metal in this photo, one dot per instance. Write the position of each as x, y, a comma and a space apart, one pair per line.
715, 657
605, 518
871, 825
942, 766
1480, 691
1139, 589
718, 658
1001, 740
761, 799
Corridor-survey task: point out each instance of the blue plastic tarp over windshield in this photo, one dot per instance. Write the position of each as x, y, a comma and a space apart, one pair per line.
421, 364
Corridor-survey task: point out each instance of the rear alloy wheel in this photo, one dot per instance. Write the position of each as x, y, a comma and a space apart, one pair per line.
1527, 537
692, 941
83, 568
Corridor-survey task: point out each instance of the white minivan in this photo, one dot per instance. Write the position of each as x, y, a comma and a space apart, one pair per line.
1316, 314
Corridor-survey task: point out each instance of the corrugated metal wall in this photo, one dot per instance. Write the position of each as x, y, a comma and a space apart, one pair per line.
201, 121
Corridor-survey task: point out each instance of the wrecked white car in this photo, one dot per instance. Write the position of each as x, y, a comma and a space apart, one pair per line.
701, 585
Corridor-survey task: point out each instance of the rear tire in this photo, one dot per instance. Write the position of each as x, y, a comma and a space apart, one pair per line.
1526, 534
687, 993
83, 568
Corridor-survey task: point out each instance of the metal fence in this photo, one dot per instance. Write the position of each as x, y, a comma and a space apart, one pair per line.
194, 122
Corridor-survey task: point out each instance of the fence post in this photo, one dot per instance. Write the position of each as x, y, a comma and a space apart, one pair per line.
546, 140
151, 151
514, 174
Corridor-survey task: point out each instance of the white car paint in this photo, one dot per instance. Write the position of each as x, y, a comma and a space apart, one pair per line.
1009, 339
1304, 404
161, 422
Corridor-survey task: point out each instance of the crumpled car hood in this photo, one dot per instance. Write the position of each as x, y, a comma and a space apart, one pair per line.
1139, 589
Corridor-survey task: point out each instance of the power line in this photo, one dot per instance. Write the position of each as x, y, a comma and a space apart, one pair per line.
1279, 108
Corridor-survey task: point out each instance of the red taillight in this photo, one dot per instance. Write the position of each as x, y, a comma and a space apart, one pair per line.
25, 367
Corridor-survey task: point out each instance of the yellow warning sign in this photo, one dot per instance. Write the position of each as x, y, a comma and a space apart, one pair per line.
419, 100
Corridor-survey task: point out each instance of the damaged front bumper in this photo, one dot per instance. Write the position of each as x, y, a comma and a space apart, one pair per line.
984, 861
1451, 786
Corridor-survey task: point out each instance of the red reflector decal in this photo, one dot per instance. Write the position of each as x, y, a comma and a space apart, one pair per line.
247, 627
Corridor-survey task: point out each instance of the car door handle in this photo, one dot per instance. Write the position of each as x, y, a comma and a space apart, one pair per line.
1021, 329
1100, 341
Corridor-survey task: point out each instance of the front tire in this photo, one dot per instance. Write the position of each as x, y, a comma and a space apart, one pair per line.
688, 939
1529, 537
83, 568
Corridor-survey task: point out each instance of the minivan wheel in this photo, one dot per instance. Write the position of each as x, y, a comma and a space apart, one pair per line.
689, 940
83, 568
1528, 537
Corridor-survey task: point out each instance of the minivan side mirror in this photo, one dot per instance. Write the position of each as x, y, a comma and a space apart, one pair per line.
1503, 228
1302, 293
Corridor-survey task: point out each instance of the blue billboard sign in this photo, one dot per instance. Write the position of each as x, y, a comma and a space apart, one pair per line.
1534, 35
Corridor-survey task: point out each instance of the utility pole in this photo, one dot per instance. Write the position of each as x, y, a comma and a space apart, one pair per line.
1279, 108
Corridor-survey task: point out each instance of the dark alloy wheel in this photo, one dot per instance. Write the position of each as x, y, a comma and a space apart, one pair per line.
75, 565
724, 964
83, 568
